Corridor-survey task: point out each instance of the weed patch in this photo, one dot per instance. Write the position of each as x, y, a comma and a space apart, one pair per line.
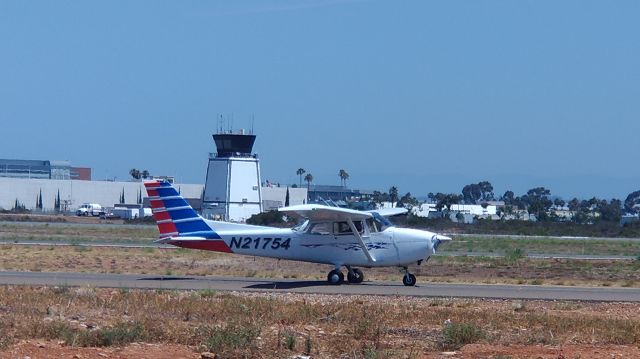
231, 337
120, 334
455, 335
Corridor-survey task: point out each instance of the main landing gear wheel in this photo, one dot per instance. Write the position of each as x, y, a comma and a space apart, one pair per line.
409, 280
355, 276
335, 277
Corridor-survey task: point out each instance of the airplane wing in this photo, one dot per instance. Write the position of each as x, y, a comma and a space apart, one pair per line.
325, 213
388, 212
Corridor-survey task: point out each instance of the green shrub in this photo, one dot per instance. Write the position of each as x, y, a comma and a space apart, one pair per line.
513, 255
455, 335
120, 334
231, 337
289, 339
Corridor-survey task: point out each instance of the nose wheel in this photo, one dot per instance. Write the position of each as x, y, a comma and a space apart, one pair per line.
409, 279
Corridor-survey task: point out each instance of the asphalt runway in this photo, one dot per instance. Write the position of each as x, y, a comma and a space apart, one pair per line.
600, 294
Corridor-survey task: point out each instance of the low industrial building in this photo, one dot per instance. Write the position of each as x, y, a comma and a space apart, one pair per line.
319, 193
73, 193
471, 209
43, 169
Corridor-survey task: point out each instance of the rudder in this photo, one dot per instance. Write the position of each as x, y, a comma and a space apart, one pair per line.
173, 214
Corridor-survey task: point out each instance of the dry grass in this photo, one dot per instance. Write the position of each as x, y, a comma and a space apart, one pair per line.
275, 326
74, 233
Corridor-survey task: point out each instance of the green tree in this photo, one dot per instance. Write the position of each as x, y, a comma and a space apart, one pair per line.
135, 173
393, 195
559, 202
631, 201
475, 192
408, 201
446, 200
509, 201
538, 202
610, 211
308, 178
57, 203
122, 196
40, 204
486, 190
286, 198
300, 172
378, 198
471, 193
144, 174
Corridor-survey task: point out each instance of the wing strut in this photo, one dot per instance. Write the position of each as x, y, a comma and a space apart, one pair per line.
357, 234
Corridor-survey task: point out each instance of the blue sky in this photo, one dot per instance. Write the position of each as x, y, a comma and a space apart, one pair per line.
427, 96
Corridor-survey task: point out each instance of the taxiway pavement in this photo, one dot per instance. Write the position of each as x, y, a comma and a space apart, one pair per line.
607, 294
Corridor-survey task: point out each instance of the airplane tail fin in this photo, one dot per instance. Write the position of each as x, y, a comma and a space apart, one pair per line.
173, 214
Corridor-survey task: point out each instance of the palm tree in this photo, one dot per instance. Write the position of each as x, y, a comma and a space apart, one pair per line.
344, 176
308, 178
300, 172
393, 195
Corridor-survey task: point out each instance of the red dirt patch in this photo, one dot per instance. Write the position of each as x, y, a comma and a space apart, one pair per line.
52, 350
548, 352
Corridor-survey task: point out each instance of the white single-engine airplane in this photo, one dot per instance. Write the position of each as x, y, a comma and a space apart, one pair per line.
330, 235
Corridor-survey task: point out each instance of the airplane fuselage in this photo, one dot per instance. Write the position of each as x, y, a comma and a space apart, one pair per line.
391, 247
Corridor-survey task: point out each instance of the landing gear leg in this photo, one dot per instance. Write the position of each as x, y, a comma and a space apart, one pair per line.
354, 275
335, 277
409, 279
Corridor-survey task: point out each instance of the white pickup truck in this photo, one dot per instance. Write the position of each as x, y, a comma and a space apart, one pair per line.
90, 209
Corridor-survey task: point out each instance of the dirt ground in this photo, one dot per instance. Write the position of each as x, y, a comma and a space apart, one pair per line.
339, 326
40, 349
513, 329
36, 349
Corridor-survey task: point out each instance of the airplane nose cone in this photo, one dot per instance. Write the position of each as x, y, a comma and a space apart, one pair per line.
437, 239
440, 237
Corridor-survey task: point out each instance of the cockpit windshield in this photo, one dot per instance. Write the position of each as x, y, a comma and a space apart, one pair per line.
301, 226
381, 221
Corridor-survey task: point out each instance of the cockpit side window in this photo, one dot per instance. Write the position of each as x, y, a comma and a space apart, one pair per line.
344, 228
320, 228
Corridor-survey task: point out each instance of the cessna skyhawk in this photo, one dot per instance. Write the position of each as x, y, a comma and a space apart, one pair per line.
330, 235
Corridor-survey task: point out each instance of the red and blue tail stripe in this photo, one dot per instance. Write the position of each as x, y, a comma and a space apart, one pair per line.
174, 215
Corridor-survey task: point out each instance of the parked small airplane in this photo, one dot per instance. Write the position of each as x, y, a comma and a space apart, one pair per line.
330, 235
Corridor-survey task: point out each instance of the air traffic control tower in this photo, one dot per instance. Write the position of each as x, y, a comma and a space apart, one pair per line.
232, 190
